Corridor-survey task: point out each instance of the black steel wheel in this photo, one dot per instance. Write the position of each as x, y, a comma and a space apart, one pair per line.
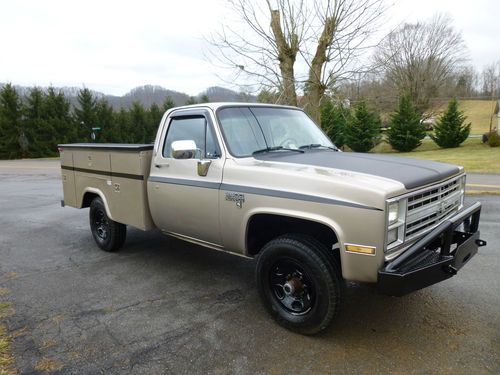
299, 283
108, 234
292, 287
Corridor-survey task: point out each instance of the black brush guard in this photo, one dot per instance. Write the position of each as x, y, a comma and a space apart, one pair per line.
436, 257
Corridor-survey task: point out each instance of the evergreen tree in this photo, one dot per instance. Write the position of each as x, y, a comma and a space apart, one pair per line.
266, 96
168, 104
138, 123
450, 130
122, 127
13, 140
363, 131
191, 100
105, 121
86, 114
34, 122
204, 99
154, 118
406, 131
60, 123
334, 120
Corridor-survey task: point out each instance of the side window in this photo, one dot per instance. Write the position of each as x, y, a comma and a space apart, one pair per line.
193, 128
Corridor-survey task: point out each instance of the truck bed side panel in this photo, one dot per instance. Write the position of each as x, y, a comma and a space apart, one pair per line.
129, 175
68, 178
118, 174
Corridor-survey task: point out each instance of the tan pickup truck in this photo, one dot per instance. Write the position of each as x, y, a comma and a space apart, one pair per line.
264, 182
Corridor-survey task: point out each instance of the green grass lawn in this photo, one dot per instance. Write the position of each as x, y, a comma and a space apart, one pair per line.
473, 155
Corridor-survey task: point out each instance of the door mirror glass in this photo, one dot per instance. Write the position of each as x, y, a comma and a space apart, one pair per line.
184, 149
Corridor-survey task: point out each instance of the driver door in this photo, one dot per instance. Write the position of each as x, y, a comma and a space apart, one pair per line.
184, 195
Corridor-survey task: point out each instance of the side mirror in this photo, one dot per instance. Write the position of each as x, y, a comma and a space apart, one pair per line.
184, 149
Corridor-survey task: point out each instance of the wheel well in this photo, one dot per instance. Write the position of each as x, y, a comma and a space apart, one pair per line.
262, 228
88, 198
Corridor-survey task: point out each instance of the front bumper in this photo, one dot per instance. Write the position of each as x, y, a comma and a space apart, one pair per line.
436, 257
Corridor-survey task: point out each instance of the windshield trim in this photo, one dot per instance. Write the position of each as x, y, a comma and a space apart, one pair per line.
249, 106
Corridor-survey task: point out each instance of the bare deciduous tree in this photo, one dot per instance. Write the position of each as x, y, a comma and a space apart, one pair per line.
290, 46
419, 58
491, 80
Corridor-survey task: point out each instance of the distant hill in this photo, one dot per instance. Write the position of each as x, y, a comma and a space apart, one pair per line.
149, 94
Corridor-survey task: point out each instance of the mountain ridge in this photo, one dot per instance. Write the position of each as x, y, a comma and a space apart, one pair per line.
147, 95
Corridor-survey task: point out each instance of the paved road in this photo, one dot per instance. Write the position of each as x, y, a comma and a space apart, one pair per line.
483, 182
164, 306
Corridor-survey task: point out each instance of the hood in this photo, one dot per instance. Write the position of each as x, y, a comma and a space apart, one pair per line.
412, 173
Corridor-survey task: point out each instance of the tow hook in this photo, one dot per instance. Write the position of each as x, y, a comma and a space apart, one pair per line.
480, 243
450, 269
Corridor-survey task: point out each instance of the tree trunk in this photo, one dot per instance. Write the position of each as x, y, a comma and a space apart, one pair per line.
287, 53
315, 87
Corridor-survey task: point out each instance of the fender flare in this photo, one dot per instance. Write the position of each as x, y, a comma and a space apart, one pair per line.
101, 195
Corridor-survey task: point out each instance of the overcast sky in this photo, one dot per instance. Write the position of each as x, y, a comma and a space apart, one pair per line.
114, 46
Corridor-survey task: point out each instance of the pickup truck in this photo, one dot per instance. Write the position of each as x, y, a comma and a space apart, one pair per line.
263, 181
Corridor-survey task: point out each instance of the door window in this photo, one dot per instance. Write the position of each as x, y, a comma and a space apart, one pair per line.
194, 128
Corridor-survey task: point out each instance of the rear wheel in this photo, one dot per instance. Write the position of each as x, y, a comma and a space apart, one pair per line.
300, 285
108, 234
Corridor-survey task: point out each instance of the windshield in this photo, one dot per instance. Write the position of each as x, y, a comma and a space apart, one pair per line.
255, 129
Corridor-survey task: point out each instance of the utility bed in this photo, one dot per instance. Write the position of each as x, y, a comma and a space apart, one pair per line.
117, 171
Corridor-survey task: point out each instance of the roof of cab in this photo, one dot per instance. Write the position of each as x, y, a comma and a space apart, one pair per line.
216, 105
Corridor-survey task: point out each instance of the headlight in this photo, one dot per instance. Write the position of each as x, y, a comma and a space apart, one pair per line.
396, 217
393, 212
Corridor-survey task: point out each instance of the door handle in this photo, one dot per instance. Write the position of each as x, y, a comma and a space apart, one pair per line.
203, 166
158, 165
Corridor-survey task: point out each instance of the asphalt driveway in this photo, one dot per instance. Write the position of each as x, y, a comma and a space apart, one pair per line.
164, 306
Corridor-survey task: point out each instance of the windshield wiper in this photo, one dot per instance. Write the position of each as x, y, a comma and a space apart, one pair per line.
276, 148
317, 145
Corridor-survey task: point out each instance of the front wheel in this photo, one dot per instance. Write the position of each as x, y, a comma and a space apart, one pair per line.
299, 283
108, 234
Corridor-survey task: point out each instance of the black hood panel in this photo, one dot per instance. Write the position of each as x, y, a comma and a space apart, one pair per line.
412, 173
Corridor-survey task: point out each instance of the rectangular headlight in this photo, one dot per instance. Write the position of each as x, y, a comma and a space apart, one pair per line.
393, 212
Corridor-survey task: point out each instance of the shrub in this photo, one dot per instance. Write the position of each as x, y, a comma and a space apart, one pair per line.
450, 130
494, 139
363, 131
406, 131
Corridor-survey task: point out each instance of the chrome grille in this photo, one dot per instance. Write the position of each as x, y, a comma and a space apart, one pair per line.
426, 209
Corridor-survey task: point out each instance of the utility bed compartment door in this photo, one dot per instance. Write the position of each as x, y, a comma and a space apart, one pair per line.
96, 161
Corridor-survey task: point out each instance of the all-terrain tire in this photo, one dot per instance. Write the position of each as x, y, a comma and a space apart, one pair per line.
299, 283
109, 235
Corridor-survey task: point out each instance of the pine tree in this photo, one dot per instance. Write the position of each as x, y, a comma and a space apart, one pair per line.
334, 119
105, 121
13, 140
35, 123
138, 123
191, 100
154, 118
60, 126
122, 127
168, 104
363, 131
450, 130
406, 131
86, 114
204, 99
